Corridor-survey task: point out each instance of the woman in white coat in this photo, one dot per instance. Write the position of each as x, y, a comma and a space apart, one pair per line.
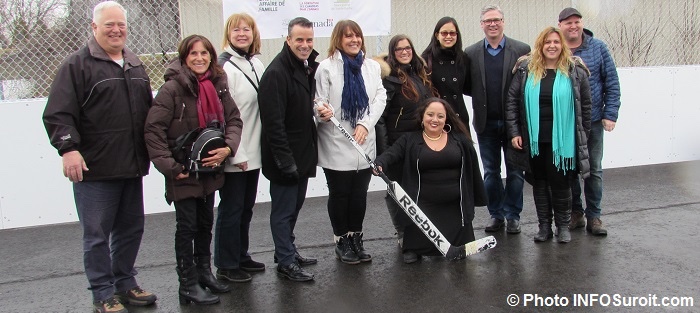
351, 84
241, 45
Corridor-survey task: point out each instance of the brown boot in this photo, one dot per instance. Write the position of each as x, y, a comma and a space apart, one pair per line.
577, 220
595, 227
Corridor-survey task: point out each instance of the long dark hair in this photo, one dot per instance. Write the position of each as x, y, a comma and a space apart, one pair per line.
408, 89
452, 119
183, 49
434, 45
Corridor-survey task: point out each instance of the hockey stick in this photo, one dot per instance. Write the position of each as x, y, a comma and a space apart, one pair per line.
414, 212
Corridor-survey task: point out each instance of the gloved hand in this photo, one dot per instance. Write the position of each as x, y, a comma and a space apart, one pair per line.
290, 172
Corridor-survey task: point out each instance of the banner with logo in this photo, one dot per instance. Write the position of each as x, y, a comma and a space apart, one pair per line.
272, 17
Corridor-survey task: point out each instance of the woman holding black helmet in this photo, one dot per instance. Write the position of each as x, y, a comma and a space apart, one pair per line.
194, 96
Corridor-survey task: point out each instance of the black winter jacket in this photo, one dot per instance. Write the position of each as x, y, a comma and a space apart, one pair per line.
451, 80
99, 109
286, 111
516, 120
399, 116
406, 150
173, 114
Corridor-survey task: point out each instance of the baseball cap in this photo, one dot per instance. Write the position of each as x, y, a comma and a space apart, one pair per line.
568, 12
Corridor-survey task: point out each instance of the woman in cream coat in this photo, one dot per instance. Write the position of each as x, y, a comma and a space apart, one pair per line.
351, 84
243, 69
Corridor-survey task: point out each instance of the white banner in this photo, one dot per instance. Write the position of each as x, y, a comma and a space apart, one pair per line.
272, 17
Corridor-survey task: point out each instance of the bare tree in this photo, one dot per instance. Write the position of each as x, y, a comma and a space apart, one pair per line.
687, 30
21, 19
632, 40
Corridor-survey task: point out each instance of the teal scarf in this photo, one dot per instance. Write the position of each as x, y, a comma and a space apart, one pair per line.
564, 123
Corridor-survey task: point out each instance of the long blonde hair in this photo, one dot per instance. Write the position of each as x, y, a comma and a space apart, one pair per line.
536, 66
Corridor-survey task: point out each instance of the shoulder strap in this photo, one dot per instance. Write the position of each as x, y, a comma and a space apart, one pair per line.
246, 76
223, 57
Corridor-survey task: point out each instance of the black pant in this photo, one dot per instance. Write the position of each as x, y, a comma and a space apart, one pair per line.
235, 211
551, 188
287, 201
347, 199
195, 218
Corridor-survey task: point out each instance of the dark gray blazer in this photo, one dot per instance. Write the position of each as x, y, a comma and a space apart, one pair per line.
513, 50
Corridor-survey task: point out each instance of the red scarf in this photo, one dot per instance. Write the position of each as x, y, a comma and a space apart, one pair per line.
209, 105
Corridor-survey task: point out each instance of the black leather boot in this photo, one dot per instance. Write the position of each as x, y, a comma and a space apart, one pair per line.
359, 247
543, 206
561, 202
344, 252
190, 290
206, 278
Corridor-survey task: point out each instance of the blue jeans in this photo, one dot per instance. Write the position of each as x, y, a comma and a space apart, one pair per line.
593, 185
504, 202
235, 212
111, 215
286, 203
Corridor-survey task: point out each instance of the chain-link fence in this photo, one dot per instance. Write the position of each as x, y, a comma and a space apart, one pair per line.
36, 35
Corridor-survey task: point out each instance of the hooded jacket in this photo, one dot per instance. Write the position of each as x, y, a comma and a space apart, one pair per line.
399, 116
173, 114
516, 120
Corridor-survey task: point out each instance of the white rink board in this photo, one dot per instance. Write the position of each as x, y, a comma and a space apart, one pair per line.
659, 123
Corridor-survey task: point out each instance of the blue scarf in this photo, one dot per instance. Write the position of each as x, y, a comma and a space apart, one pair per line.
355, 102
564, 123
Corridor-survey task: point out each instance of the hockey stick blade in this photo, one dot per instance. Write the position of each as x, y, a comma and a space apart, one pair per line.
471, 248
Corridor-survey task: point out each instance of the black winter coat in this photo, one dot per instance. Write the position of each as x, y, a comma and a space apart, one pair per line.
399, 116
173, 114
451, 80
99, 108
286, 111
516, 120
406, 150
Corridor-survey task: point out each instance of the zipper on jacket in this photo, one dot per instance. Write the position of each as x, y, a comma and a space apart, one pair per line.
398, 118
182, 112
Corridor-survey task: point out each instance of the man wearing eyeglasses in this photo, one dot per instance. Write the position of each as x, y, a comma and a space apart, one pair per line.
605, 93
493, 59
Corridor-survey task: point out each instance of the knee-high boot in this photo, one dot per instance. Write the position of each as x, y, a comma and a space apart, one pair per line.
561, 202
543, 206
206, 278
190, 290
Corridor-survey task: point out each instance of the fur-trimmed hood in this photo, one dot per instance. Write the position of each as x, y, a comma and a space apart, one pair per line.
383, 64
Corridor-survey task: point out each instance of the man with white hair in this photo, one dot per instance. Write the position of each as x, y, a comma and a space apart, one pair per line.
95, 117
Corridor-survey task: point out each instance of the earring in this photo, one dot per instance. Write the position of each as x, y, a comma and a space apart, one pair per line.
449, 130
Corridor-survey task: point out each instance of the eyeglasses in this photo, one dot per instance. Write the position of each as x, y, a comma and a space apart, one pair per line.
446, 33
404, 49
494, 21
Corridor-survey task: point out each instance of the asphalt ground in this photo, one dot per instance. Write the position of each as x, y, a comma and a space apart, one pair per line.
650, 258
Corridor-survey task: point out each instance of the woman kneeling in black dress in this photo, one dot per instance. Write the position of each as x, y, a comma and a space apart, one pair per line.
441, 173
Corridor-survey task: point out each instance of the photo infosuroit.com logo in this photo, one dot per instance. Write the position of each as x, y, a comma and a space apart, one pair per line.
595, 299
